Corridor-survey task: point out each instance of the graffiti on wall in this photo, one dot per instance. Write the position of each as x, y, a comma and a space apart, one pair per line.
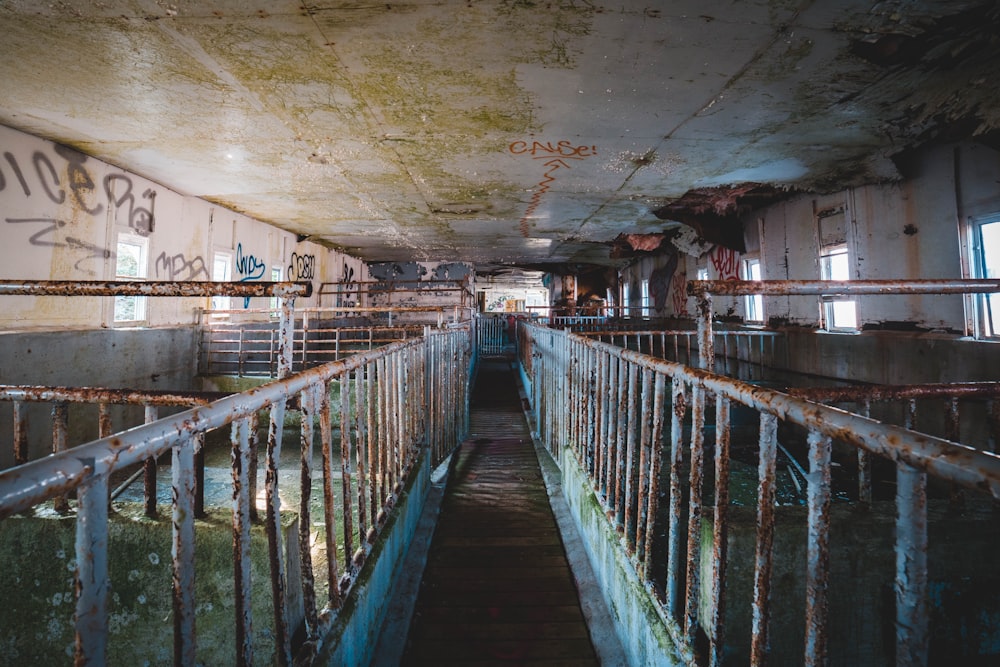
63, 177
301, 267
555, 157
344, 296
678, 295
248, 267
179, 267
42, 179
726, 262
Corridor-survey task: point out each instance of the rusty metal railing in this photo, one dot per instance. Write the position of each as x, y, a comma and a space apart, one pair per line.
681, 345
628, 417
103, 398
251, 349
393, 402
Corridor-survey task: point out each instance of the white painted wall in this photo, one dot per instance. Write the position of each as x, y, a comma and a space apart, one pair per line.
61, 213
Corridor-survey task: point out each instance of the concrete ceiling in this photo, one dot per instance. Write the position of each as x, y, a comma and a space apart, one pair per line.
500, 132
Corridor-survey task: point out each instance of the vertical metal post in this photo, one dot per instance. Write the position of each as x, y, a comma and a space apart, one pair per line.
630, 458
149, 470
761, 621
720, 533
241, 542
182, 552
695, 482
199, 476
329, 503
286, 338
104, 426
20, 434
91, 584
655, 463
305, 339
345, 469
674, 552
864, 465
912, 639
60, 428
645, 445
706, 339
272, 525
818, 550
362, 450
307, 402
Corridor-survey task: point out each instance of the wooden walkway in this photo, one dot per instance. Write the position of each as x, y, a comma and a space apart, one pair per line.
497, 589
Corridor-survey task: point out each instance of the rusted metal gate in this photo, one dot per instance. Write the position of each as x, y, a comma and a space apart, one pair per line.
491, 335
395, 401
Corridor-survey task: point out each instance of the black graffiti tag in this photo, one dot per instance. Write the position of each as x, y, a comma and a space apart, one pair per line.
45, 238
302, 267
139, 218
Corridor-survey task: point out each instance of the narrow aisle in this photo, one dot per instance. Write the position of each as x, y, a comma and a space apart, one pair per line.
497, 588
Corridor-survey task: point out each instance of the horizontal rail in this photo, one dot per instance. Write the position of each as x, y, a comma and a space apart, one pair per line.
840, 287
897, 392
152, 288
36, 394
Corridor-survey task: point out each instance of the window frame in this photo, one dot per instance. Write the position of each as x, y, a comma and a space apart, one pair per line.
222, 302
984, 308
753, 304
139, 308
831, 304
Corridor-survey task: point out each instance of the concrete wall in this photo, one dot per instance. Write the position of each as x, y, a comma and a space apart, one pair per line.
63, 213
357, 625
638, 622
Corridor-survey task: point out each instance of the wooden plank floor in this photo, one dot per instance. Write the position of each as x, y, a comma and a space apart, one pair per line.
497, 589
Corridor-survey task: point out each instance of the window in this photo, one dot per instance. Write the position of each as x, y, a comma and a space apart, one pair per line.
986, 264
130, 264
644, 294
610, 310
754, 303
221, 272
702, 273
625, 299
839, 313
275, 278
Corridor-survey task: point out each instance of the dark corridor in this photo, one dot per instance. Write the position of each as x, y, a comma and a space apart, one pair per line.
497, 588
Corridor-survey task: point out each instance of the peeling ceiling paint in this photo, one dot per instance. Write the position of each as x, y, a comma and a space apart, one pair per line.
500, 132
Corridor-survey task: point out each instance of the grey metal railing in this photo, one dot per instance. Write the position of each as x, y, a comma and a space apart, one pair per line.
627, 417
393, 402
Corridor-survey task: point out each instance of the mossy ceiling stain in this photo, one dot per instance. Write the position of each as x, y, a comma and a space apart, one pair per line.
389, 124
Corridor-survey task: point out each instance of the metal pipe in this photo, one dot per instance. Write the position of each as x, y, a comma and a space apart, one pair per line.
152, 288
182, 553
818, 550
840, 287
763, 561
695, 480
91, 580
149, 470
674, 553
241, 543
720, 534
308, 403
